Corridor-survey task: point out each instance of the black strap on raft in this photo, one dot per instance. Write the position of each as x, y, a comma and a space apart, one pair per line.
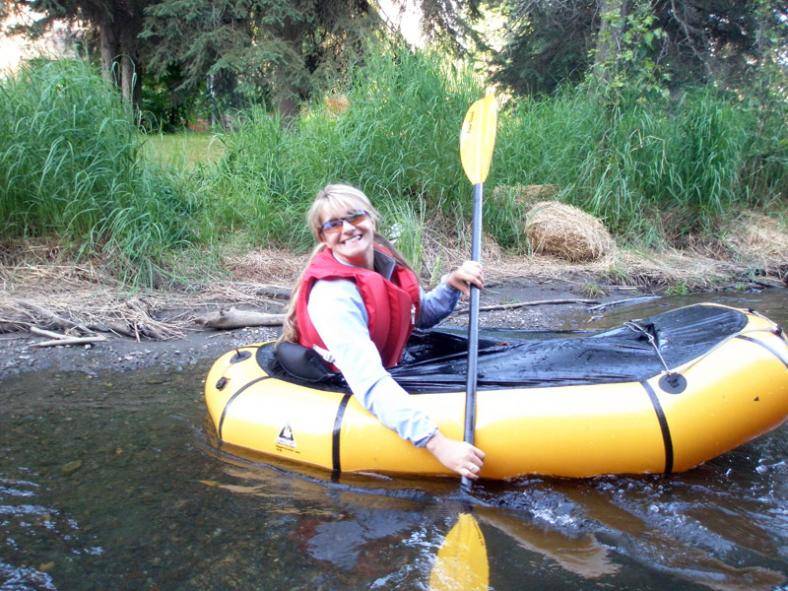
672, 382
231, 399
667, 440
335, 439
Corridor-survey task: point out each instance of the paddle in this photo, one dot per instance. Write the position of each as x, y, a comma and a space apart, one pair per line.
461, 562
477, 140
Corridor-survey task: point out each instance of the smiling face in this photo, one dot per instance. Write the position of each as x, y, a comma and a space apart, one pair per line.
353, 239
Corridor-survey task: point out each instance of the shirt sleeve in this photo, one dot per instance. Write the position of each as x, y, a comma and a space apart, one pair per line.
437, 304
337, 312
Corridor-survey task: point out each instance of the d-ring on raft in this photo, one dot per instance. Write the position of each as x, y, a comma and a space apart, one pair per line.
657, 395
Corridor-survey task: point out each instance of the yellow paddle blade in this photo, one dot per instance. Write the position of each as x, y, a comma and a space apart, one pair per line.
461, 563
477, 138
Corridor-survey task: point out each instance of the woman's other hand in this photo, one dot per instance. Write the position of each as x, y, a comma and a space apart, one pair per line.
463, 458
467, 274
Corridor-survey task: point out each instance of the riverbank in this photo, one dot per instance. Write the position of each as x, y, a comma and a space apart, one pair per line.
164, 327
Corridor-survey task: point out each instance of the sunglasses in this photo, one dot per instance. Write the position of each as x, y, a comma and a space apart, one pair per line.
334, 225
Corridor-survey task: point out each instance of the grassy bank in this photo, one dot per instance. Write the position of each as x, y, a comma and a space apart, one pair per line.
70, 167
656, 173
72, 164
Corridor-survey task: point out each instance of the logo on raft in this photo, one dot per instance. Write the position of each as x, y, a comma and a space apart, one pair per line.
286, 437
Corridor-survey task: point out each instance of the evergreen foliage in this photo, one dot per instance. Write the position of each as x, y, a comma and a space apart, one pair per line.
117, 24
694, 42
255, 51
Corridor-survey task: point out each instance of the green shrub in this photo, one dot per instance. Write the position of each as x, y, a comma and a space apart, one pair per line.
398, 142
651, 172
70, 167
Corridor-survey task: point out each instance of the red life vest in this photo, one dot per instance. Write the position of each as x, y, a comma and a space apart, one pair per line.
392, 305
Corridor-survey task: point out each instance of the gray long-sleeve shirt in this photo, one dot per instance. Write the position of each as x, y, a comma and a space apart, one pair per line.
338, 314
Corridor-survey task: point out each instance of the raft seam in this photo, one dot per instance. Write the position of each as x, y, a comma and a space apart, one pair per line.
230, 400
765, 346
667, 440
335, 436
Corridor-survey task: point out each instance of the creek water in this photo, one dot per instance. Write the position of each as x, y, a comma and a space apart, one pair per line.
112, 482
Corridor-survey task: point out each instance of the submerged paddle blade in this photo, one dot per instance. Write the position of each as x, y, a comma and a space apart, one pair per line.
477, 138
461, 563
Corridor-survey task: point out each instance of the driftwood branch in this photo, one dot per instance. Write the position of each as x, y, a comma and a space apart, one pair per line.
605, 305
769, 282
235, 318
69, 341
515, 305
118, 328
62, 339
53, 318
48, 333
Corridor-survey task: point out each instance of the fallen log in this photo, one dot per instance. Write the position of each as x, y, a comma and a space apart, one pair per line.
52, 318
606, 305
235, 318
70, 341
48, 333
769, 282
117, 328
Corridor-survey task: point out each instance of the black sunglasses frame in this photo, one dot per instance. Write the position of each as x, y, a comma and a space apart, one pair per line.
335, 224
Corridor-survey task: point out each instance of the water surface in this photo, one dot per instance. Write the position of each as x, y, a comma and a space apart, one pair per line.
112, 482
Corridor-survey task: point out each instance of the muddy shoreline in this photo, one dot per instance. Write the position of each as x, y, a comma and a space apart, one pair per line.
123, 354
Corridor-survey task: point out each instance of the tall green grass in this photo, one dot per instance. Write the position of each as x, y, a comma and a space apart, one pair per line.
70, 167
398, 142
654, 173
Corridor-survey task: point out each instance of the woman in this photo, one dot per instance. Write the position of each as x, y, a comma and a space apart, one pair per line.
357, 302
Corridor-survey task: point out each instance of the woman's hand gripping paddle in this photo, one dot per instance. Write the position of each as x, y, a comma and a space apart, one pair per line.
461, 562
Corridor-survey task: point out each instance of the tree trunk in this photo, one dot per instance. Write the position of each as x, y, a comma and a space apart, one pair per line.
109, 49
612, 15
131, 71
287, 80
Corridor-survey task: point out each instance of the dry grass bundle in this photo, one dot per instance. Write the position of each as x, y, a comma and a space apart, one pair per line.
41, 287
690, 269
759, 240
567, 232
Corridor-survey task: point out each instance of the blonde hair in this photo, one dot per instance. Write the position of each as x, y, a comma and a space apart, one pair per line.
337, 198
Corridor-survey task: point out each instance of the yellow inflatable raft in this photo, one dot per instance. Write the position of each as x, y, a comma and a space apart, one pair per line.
706, 379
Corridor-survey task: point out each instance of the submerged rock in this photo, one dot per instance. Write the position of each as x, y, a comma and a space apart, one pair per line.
71, 467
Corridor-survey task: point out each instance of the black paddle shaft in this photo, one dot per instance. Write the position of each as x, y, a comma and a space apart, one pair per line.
473, 326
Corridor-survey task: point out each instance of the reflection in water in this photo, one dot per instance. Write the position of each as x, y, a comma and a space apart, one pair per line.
650, 528
582, 555
113, 483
